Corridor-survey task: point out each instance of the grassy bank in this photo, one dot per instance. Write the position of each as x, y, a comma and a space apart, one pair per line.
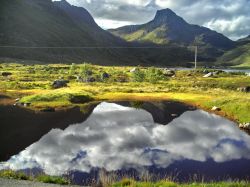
9, 174
33, 84
131, 183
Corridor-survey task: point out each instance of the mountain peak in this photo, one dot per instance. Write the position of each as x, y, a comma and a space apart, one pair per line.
165, 12
167, 16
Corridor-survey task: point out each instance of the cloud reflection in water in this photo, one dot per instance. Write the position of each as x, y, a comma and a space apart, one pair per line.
116, 137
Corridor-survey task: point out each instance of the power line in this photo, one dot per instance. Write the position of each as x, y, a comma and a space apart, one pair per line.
85, 47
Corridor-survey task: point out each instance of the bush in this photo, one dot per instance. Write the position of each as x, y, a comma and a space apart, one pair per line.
9, 174
154, 75
52, 180
85, 71
138, 75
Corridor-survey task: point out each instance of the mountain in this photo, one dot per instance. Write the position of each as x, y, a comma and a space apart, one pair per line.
239, 56
34, 25
43, 23
168, 28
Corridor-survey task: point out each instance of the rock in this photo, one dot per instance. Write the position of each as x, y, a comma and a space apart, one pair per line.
91, 79
245, 126
26, 104
168, 73
205, 71
174, 115
134, 70
6, 74
244, 89
208, 75
79, 99
105, 75
18, 99
215, 108
60, 83
48, 109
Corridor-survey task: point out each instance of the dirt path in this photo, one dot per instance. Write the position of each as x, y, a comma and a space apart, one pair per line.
20, 183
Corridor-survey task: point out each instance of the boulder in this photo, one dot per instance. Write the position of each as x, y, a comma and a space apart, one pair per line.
215, 108
60, 84
245, 126
105, 75
208, 75
244, 89
168, 73
134, 70
6, 74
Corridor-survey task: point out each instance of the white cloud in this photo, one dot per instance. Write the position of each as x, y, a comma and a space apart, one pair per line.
204, 12
109, 140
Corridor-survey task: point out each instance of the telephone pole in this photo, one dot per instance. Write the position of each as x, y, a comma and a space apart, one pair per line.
195, 58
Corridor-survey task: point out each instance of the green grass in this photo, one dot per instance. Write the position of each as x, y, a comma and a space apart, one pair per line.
52, 180
132, 183
9, 174
149, 84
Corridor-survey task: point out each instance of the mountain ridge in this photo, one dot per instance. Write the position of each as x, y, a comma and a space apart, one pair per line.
167, 27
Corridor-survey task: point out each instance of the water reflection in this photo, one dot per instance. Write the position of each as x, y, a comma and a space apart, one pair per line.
115, 137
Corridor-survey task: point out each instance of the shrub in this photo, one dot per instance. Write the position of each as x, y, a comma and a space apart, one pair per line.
9, 174
52, 180
154, 75
138, 75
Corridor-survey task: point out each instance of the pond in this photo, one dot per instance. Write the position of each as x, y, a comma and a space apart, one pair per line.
157, 139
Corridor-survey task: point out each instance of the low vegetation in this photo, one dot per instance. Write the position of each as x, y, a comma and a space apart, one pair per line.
9, 174
125, 182
33, 84
132, 183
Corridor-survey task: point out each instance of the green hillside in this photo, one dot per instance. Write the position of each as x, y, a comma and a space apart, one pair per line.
168, 28
239, 56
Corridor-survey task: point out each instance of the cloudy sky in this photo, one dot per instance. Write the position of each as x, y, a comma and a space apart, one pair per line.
230, 17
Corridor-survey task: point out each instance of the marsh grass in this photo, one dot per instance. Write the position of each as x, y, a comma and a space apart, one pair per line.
186, 86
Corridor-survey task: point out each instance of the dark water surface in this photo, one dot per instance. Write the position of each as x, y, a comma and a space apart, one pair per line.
160, 138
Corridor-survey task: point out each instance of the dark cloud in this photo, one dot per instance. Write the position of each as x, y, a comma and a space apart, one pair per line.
226, 16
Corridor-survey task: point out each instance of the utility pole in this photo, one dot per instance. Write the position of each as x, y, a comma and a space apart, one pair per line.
195, 58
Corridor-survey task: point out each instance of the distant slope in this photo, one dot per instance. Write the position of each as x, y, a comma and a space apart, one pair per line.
239, 56
167, 28
41, 23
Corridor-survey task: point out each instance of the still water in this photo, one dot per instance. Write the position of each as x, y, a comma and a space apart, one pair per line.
117, 137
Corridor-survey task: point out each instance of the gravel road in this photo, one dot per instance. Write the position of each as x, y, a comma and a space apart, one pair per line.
20, 183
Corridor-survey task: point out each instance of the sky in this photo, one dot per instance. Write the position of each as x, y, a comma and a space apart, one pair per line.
230, 17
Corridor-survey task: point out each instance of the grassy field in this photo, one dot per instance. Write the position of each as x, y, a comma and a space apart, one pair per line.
33, 84
8, 174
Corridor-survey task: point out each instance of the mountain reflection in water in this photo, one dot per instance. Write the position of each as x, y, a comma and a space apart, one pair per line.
115, 137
